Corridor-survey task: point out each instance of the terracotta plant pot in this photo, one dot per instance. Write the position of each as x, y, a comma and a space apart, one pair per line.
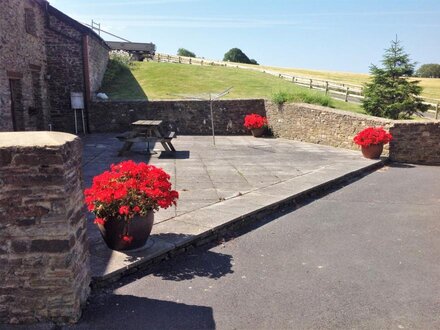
139, 229
373, 151
257, 132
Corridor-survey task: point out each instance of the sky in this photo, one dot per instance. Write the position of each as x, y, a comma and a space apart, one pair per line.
337, 35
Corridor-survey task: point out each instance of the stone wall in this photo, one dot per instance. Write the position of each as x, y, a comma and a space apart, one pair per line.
43, 252
23, 58
183, 117
44, 55
416, 142
77, 60
98, 58
317, 124
65, 68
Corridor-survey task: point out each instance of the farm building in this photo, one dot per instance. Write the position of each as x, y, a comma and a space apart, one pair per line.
44, 56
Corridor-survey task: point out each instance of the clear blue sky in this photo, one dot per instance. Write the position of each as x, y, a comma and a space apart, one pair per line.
336, 35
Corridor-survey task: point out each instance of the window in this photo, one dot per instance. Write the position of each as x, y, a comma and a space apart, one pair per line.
29, 21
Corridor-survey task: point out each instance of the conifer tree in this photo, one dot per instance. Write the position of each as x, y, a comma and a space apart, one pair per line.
390, 94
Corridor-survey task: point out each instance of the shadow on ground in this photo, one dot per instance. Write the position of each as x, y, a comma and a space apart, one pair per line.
125, 87
200, 263
131, 312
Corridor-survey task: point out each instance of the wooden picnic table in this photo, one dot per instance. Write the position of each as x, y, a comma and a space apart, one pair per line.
146, 131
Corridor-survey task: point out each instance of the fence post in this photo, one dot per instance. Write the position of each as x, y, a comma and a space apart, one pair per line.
190, 60
436, 110
311, 82
201, 63
180, 59
293, 79
168, 58
158, 57
326, 87
346, 94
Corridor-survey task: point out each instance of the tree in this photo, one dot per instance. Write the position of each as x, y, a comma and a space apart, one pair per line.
185, 52
390, 94
236, 55
429, 71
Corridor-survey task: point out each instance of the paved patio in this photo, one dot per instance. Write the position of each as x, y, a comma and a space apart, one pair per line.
218, 184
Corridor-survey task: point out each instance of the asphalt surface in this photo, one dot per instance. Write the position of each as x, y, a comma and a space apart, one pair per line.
366, 256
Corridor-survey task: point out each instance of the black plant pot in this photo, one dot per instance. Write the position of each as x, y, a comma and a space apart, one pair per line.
139, 228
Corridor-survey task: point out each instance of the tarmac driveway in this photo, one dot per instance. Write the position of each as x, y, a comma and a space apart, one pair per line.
364, 257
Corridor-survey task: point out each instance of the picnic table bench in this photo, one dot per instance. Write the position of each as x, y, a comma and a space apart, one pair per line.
146, 131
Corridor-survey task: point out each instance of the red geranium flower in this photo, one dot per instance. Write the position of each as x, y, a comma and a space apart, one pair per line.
128, 189
124, 209
372, 135
254, 120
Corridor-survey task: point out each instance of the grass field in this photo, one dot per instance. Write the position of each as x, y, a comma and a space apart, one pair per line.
158, 81
431, 86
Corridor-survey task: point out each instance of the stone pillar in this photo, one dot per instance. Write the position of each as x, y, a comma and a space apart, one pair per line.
44, 270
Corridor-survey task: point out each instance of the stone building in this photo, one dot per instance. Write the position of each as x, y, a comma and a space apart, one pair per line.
44, 56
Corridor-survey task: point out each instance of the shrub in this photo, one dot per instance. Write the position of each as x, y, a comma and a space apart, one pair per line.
282, 97
185, 52
236, 55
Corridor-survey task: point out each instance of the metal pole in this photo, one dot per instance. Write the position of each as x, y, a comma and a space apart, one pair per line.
212, 119
83, 121
76, 122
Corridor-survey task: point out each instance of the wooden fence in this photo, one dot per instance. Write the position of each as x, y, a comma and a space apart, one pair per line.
346, 91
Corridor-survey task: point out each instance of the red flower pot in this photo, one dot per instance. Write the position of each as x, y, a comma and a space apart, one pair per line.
120, 235
257, 132
373, 151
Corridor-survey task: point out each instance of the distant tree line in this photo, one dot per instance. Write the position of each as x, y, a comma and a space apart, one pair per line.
430, 70
232, 55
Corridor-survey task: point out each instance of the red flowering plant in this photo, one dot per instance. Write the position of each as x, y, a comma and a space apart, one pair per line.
372, 135
129, 189
254, 121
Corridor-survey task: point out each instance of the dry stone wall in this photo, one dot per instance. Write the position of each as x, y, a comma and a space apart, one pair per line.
416, 142
43, 252
183, 117
98, 59
317, 124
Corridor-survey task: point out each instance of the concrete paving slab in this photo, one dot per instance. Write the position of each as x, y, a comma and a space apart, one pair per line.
107, 264
238, 179
178, 232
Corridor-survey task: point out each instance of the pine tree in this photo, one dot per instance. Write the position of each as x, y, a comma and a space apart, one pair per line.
390, 94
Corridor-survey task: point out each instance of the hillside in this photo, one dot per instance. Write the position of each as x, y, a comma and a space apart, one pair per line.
431, 86
158, 81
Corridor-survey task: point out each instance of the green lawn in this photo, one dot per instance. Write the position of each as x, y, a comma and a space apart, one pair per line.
159, 81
